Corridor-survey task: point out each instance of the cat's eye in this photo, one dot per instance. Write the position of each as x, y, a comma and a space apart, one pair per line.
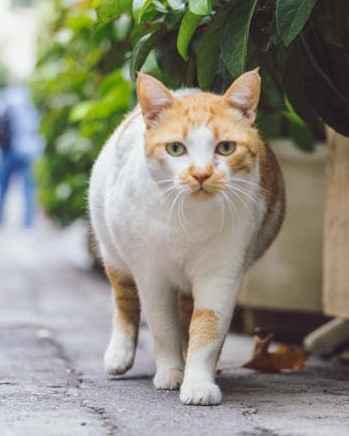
225, 148
175, 149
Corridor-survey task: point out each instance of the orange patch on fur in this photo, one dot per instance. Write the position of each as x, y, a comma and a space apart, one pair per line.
243, 159
127, 310
203, 329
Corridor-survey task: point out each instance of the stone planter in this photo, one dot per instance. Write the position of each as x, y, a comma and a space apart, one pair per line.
289, 276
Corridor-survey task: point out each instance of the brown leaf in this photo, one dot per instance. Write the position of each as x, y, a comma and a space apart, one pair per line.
284, 358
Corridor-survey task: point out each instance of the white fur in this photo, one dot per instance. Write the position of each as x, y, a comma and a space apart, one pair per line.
204, 253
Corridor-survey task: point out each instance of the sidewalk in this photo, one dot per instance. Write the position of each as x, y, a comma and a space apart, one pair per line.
54, 326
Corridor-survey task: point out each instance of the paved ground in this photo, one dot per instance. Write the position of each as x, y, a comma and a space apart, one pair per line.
54, 326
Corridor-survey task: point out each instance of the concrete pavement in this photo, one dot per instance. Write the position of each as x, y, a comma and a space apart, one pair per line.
54, 326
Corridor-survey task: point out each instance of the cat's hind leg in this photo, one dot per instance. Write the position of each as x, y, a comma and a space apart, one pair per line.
119, 356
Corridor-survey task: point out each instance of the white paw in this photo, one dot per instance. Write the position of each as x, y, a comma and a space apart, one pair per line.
119, 357
169, 378
203, 394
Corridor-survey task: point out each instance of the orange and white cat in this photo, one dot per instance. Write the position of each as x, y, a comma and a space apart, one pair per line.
184, 197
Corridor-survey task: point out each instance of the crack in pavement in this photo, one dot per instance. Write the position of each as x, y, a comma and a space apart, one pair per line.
108, 424
47, 335
75, 380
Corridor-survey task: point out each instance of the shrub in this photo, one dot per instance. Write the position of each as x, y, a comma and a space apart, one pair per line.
82, 93
83, 89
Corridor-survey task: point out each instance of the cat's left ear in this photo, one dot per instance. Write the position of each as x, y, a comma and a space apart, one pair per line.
153, 97
244, 94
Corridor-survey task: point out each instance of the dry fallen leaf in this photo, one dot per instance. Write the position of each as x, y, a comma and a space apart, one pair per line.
284, 358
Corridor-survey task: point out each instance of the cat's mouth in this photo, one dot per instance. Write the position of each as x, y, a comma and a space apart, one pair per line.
202, 192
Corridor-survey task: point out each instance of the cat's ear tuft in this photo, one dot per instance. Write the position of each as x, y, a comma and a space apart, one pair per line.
244, 94
153, 97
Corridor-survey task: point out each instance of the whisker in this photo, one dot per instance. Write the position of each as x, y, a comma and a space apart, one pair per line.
240, 179
226, 205
172, 205
245, 204
181, 212
172, 188
251, 183
236, 184
223, 216
231, 206
246, 193
160, 182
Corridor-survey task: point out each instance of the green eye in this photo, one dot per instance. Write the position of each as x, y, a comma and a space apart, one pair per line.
176, 149
225, 148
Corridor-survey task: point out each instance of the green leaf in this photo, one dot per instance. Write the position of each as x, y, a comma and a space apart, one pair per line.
186, 31
176, 5
111, 81
295, 88
299, 132
141, 52
139, 7
172, 66
236, 34
116, 100
160, 6
291, 16
200, 7
208, 52
80, 111
78, 22
108, 10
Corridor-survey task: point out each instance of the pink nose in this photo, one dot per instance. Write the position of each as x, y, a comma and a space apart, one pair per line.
201, 177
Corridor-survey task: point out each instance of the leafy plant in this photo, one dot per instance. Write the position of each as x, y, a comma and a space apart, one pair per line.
4, 75
208, 44
82, 93
83, 89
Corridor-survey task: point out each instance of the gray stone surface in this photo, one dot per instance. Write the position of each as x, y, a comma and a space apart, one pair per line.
54, 326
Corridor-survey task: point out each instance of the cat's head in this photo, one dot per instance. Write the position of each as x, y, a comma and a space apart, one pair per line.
198, 142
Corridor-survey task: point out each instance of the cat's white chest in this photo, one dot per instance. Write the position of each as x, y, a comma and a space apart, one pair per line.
152, 233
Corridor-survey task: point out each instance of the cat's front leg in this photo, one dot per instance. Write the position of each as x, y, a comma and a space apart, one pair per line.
160, 305
214, 300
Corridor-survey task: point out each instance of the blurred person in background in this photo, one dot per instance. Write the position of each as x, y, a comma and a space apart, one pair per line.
20, 146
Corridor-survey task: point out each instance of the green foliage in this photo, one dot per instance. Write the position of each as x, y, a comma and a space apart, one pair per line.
141, 51
209, 44
82, 94
236, 36
200, 7
4, 75
291, 16
83, 90
189, 24
208, 52
108, 10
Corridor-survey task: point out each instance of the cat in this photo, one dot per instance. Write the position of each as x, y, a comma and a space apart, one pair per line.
183, 199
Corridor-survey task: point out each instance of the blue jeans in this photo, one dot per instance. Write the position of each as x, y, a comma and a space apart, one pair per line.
11, 165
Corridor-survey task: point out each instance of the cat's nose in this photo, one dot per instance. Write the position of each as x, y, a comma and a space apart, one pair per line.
201, 176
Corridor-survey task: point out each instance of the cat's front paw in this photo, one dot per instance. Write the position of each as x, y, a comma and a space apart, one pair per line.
119, 359
200, 394
168, 378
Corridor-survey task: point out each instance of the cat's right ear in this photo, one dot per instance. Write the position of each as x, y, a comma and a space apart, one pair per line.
244, 94
153, 97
